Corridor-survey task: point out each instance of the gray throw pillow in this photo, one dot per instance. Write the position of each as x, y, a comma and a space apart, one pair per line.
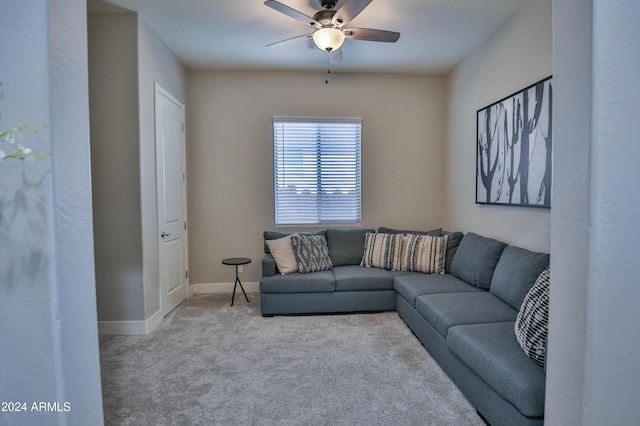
311, 253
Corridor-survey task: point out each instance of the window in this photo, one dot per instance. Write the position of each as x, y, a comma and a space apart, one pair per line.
316, 170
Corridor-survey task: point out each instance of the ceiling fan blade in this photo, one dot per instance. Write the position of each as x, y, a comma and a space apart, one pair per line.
369, 34
348, 11
290, 40
282, 8
335, 57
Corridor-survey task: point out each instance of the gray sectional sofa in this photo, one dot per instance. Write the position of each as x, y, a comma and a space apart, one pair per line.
465, 317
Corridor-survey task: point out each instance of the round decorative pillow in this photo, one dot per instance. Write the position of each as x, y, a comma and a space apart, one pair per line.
532, 323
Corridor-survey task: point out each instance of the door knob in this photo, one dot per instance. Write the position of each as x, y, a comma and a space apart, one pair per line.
164, 234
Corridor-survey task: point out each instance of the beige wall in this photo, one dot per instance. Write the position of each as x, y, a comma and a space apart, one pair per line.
230, 155
156, 64
515, 56
126, 58
115, 158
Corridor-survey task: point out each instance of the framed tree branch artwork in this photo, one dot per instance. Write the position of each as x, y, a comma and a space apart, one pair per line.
513, 148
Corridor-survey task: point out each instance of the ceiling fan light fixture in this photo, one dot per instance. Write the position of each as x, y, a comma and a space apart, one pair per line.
328, 39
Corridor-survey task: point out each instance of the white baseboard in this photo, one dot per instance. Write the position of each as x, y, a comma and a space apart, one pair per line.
130, 328
222, 288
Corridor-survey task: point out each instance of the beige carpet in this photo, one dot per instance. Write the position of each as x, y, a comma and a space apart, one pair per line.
212, 364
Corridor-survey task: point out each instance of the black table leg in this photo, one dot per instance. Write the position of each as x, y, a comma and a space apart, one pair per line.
241, 288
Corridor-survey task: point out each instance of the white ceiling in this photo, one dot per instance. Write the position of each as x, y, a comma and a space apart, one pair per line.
232, 34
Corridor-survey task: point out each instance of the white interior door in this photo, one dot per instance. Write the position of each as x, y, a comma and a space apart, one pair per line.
171, 184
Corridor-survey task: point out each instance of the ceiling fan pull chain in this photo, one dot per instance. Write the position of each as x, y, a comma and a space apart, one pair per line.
328, 69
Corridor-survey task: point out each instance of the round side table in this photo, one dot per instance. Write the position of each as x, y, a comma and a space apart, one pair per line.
237, 261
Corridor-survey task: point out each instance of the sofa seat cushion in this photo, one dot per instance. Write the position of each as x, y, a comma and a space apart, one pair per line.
492, 351
413, 284
317, 282
445, 310
358, 278
406, 273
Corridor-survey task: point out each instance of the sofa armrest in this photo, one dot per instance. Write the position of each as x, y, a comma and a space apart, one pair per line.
269, 267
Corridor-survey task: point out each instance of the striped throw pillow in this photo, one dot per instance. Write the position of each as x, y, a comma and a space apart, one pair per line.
424, 253
532, 322
382, 251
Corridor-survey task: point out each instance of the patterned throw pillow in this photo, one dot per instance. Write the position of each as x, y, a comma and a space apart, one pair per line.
311, 253
425, 253
382, 251
532, 323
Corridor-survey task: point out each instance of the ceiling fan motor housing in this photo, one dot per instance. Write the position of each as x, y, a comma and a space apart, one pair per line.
328, 4
324, 17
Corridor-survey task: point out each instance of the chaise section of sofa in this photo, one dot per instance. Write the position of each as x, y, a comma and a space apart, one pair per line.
470, 330
493, 354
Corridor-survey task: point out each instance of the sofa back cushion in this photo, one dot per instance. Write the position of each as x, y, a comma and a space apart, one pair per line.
346, 246
434, 232
515, 274
453, 242
275, 235
476, 259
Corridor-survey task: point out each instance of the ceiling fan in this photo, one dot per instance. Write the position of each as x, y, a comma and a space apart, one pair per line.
330, 34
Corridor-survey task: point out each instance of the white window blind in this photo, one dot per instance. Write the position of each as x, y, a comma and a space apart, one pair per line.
316, 170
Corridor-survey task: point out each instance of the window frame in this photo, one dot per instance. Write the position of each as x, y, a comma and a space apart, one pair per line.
336, 148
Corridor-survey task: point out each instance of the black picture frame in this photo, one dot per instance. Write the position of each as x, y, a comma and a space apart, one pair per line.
513, 148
